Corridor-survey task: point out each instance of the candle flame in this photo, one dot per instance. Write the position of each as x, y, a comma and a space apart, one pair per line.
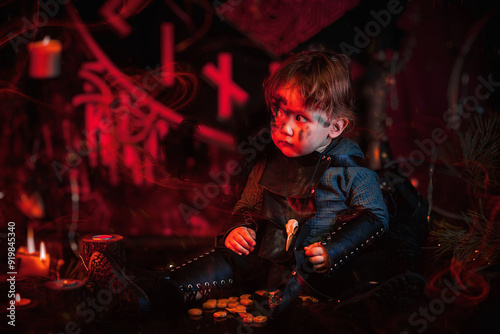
43, 253
18, 298
46, 40
31, 241
376, 154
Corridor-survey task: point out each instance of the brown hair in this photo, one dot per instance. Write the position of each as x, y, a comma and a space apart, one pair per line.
322, 77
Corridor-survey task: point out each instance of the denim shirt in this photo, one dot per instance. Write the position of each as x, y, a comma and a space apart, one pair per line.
339, 188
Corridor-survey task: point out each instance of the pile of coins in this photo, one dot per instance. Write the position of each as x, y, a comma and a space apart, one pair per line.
241, 307
250, 311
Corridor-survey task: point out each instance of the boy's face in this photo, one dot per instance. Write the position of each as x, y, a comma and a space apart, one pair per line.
297, 131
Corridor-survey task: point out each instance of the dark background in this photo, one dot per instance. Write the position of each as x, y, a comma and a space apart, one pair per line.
404, 76
425, 63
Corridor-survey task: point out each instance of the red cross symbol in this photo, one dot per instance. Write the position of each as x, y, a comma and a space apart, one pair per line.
229, 91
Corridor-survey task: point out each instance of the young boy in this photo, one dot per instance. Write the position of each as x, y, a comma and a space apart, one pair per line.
309, 180
310, 100
308, 208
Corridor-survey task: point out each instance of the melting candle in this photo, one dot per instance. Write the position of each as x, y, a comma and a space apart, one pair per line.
32, 262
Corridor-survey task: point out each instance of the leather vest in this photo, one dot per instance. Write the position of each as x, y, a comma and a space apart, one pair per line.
289, 193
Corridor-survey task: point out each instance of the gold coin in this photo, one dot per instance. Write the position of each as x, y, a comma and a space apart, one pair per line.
262, 293
248, 318
231, 309
232, 304
260, 319
246, 302
244, 314
221, 304
195, 311
209, 305
220, 314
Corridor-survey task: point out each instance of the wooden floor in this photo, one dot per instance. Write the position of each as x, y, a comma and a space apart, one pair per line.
302, 317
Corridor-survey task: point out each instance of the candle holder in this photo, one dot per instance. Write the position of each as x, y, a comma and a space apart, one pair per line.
45, 59
24, 304
112, 244
63, 297
18, 313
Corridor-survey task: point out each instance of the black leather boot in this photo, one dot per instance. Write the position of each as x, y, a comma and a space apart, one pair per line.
209, 274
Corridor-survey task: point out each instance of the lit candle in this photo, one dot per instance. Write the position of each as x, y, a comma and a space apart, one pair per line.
64, 295
22, 302
65, 284
43, 252
45, 58
32, 262
102, 237
31, 240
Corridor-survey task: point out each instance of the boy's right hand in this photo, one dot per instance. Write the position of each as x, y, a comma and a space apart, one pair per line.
241, 240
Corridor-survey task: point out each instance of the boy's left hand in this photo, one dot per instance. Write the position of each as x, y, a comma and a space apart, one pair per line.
318, 256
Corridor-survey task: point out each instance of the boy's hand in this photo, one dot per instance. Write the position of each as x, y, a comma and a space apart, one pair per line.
241, 240
318, 256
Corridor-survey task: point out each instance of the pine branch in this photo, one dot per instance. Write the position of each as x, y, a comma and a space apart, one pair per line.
481, 152
478, 241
